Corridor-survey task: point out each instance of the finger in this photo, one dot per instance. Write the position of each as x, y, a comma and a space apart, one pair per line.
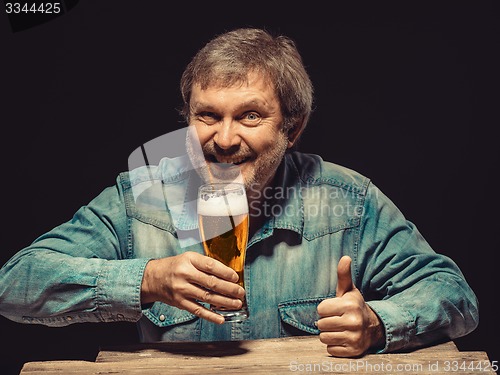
333, 338
333, 324
208, 296
213, 283
201, 311
344, 278
333, 307
343, 351
214, 267
340, 345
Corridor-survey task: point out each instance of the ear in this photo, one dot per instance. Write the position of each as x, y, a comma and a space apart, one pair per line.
295, 132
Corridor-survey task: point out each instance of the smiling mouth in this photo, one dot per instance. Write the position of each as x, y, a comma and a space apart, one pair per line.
227, 160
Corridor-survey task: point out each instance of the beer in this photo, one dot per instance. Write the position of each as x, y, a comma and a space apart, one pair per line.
227, 246
223, 224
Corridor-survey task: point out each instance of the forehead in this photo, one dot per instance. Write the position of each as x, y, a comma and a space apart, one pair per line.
255, 85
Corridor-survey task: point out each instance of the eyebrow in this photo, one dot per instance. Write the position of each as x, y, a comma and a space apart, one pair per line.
197, 106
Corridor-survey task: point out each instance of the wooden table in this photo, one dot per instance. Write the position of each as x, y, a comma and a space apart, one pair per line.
272, 356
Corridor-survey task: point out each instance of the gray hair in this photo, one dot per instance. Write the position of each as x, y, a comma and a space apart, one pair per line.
228, 58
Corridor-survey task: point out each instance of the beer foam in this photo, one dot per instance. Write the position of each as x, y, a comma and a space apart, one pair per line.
223, 206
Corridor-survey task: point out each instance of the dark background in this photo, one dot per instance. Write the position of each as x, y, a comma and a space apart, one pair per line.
405, 95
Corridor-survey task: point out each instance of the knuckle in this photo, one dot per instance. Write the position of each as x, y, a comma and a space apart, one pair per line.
181, 258
353, 339
183, 270
206, 296
189, 257
209, 264
188, 254
198, 311
239, 291
355, 320
351, 305
180, 290
212, 282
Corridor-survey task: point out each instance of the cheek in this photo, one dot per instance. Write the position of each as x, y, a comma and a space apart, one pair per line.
269, 148
264, 143
272, 144
204, 133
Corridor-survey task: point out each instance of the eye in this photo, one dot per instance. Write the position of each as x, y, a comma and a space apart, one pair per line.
208, 118
250, 118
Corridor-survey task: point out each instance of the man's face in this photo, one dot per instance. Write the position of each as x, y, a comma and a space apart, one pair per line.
240, 126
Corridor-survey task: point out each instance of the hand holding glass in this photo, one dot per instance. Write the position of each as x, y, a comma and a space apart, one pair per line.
224, 223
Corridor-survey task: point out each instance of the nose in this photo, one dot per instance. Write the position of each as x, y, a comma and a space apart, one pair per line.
226, 135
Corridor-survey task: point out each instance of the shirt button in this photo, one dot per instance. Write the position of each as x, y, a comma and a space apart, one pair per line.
162, 318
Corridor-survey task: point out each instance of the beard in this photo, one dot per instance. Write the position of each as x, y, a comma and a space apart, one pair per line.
254, 170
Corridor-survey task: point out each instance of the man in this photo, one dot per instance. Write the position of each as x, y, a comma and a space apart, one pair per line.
328, 253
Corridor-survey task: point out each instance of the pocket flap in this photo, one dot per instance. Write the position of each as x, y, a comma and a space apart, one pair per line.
163, 315
301, 314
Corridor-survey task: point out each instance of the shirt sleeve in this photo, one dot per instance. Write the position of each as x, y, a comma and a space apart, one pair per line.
420, 296
78, 272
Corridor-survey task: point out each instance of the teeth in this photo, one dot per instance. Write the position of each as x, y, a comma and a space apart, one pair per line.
230, 161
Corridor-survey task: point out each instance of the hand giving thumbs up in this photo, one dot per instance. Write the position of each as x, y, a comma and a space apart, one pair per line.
348, 326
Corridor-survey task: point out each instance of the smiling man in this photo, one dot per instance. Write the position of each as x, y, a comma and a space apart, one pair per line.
329, 254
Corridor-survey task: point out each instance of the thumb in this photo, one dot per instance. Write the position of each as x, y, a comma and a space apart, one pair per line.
344, 279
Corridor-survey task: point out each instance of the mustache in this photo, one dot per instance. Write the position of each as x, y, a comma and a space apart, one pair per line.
239, 152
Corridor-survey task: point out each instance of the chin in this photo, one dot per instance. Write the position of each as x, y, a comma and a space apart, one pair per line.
221, 172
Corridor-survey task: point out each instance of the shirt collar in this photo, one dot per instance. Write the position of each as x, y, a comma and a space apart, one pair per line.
284, 200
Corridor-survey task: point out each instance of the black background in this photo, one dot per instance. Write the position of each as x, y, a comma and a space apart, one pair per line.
407, 95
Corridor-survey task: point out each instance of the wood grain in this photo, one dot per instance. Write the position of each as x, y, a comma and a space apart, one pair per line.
271, 356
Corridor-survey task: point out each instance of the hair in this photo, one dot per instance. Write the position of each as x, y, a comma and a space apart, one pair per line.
228, 58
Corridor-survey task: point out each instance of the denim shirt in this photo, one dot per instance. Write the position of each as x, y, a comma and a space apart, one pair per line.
90, 269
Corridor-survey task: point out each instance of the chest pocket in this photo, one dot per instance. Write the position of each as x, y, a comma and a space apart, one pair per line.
175, 324
298, 318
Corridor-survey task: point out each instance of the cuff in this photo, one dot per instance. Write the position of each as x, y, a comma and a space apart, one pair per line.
118, 292
398, 323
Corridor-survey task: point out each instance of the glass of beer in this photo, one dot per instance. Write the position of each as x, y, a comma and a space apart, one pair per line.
223, 224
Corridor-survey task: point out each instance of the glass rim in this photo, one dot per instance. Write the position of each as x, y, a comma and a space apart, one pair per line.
226, 186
